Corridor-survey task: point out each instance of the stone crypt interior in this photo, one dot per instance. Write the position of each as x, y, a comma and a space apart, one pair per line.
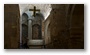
43, 26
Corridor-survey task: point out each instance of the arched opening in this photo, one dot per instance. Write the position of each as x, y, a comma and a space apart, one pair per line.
36, 31
24, 31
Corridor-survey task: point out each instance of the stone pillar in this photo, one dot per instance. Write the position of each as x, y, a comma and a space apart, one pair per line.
29, 29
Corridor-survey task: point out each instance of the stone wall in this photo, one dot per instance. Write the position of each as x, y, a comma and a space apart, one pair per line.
77, 27
66, 26
11, 26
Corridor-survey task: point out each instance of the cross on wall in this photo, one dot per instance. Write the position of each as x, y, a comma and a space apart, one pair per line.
34, 11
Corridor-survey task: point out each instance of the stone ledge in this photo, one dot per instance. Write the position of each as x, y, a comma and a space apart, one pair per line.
36, 42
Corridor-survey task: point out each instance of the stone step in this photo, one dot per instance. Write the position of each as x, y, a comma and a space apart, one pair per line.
35, 42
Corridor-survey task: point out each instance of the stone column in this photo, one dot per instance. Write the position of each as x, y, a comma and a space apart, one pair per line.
30, 29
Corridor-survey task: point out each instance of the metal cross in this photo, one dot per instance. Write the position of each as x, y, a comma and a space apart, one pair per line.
34, 11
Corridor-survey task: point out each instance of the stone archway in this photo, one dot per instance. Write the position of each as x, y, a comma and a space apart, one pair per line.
48, 33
